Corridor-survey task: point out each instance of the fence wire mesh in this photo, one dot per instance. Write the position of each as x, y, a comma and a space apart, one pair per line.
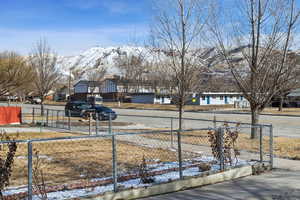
106, 156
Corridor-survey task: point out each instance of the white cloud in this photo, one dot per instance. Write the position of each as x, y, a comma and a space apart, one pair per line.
69, 42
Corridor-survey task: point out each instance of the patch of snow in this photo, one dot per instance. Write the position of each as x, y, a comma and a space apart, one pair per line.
135, 183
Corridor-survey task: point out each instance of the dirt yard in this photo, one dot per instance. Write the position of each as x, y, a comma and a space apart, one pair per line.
81, 159
154, 106
283, 147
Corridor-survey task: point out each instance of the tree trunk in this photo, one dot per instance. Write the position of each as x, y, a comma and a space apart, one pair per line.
280, 104
254, 122
42, 106
180, 117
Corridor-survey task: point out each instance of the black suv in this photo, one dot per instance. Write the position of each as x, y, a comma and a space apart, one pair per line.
81, 108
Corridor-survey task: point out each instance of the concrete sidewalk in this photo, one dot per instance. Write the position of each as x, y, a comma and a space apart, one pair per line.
283, 183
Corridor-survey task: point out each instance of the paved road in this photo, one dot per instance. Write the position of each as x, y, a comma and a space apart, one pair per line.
283, 125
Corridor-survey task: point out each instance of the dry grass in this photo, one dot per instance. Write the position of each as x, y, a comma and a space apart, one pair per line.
283, 147
154, 106
288, 111
166, 107
285, 111
70, 160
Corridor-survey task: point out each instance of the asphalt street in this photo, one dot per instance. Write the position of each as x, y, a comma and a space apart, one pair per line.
286, 126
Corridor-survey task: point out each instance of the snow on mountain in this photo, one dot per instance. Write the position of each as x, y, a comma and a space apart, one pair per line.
87, 59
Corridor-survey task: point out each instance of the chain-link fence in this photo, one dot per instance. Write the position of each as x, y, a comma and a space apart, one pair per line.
69, 167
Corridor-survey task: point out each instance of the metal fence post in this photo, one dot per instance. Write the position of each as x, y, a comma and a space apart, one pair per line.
215, 121
90, 125
47, 117
271, 146
220, 142
52, 118
114, 159
261, 143
109, 124
57, 118
172, 136
179, 153
33, 115
29, 168
96, 125
69, 120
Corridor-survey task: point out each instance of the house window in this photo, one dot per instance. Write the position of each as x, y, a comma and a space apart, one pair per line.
203, 98
214, 97
221, 97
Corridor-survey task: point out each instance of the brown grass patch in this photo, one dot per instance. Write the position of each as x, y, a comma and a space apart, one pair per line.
283, 147
153, 106
285, 111
166, 107
81, 159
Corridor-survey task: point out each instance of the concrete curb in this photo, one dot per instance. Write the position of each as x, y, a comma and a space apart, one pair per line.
176, 185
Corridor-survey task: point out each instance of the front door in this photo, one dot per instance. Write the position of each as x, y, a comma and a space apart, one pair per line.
208, 100
226, 100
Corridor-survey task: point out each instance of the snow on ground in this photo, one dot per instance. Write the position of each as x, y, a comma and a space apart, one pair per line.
133, 183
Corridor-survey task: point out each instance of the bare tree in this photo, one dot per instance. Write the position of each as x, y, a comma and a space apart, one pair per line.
177, 32
43, 62
133, 68
14, 73
266, 28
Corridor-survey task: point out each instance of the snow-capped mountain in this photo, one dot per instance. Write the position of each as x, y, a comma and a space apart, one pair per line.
106, 56
86, 60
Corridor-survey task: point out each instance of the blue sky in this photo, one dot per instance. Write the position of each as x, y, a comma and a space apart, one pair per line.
71, 26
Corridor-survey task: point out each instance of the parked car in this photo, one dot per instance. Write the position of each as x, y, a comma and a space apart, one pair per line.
104, 112
36, 100
33, 100
81, 108
77, 108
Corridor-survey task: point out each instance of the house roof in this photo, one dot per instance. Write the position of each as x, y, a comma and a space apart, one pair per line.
89, 83
294, 93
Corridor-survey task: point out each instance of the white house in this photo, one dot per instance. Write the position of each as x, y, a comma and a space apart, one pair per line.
220, 98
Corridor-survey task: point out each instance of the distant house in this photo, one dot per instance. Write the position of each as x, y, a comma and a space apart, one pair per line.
61, 94
112, 89
95, 87
220, 98
293, 98
150, 98
290, 99
87, 87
